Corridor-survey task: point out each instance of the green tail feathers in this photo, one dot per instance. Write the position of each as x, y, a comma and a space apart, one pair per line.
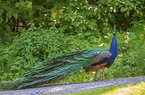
54, 69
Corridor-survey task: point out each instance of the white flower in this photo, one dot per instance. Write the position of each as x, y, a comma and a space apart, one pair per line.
127, 32
75, 12
114, 11
126, 36
101, 44
120, 55
126, 41
105, 37
89, 8
81, 16
63, 7
94, 72
95, 9
78, 8
111, 7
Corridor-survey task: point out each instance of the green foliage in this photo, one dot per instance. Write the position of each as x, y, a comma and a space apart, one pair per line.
13, 17
121, 13
75, 16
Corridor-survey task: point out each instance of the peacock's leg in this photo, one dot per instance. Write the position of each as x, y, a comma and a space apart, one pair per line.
103, 72
95, 78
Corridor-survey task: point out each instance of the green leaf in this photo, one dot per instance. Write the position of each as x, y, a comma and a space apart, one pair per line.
109, 15
127, 13
1, 20
125, 9
137, 11
132, 35
15, 15
1, 11
9, 14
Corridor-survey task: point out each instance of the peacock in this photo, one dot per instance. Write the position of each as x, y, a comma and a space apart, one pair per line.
60, 66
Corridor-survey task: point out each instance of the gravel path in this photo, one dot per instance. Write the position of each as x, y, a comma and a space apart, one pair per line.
74, 88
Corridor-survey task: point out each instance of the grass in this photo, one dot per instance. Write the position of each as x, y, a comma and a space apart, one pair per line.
138, 89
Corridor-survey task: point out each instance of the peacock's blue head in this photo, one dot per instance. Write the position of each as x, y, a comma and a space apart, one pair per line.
114, 32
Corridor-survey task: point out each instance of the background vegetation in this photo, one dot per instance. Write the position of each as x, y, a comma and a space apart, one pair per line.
33, 31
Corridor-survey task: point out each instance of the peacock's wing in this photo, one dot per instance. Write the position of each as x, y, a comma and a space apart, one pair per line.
60, 66
100, 58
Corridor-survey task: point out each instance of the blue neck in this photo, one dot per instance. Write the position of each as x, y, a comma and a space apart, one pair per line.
113, 50
113, 47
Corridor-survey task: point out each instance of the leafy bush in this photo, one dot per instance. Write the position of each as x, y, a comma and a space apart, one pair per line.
70, 17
